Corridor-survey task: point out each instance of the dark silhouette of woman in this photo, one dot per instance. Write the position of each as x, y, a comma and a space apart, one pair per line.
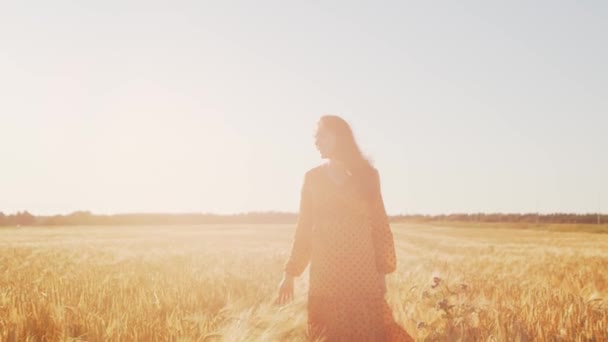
343, 232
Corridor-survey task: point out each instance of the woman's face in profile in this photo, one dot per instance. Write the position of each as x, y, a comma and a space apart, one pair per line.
325, 141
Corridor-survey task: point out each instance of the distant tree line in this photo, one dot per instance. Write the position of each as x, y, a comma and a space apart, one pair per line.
86, 218
514, 218
24, 218
21, 218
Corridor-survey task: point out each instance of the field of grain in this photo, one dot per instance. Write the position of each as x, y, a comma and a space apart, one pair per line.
219, 282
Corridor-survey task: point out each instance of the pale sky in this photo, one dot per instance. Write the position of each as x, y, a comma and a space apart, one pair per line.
210, 106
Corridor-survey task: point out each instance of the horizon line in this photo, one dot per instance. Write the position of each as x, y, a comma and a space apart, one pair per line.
280, 212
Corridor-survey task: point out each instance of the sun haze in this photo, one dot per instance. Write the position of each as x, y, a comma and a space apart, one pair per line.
123, 107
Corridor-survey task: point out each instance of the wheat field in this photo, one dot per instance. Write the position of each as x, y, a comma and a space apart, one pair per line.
219, 283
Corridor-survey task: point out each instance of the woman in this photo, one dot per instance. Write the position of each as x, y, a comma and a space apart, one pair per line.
343, 232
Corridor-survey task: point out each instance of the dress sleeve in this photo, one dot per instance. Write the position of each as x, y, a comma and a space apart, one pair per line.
302, 238
382, 236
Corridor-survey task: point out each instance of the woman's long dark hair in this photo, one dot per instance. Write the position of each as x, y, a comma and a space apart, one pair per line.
347, 151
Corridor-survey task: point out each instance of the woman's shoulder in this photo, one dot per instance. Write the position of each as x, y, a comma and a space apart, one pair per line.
315, 171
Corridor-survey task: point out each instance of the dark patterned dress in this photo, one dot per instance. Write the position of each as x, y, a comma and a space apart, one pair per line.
349, 244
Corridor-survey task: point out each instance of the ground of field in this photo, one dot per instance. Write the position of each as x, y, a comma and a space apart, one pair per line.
219, 283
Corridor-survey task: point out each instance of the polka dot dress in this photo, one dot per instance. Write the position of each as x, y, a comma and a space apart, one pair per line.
348, 243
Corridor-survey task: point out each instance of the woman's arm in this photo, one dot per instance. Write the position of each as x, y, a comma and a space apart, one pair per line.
382, 236
302, 240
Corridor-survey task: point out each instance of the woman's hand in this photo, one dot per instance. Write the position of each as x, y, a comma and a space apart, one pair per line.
285, 290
